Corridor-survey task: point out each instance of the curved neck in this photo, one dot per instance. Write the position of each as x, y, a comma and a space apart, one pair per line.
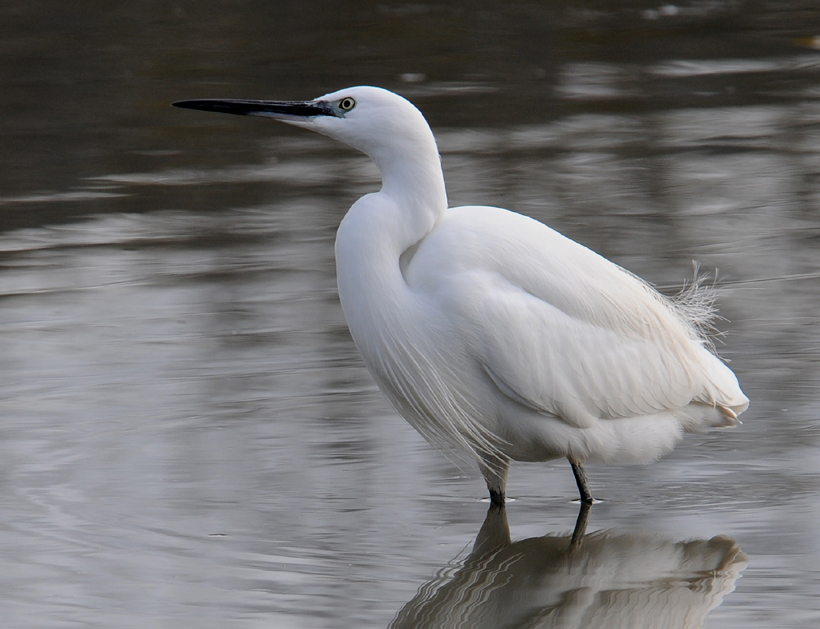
379, 228
414, 181
414, 184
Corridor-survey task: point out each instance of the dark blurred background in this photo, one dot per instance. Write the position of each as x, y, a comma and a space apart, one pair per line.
86, 85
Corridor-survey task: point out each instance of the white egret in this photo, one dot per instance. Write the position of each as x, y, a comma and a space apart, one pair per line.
494, 336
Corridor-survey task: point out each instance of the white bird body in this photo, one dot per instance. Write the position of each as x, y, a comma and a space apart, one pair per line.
493, 335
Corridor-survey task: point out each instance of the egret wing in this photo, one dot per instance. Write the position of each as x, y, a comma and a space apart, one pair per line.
559, 328
546, 359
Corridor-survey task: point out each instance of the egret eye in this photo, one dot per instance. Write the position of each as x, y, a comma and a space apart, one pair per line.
347, 103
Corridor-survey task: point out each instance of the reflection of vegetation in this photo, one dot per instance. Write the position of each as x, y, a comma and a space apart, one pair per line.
600, 580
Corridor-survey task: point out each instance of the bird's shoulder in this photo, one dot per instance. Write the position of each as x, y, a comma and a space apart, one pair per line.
483, 252
485, 238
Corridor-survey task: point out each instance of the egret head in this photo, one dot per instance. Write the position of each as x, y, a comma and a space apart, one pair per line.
377, 122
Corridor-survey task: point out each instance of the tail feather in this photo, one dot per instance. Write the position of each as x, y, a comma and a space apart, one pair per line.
730, 416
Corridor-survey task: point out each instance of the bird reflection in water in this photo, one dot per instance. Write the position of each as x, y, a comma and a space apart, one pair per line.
605, 579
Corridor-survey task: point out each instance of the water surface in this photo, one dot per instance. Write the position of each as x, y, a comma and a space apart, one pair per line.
188, 435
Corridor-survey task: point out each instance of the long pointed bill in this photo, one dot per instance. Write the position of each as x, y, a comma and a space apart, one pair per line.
280, 110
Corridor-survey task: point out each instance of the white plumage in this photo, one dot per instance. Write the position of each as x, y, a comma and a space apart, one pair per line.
495, 336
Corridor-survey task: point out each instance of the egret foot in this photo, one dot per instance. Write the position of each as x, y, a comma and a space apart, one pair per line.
581, 480
497, 497
495, 474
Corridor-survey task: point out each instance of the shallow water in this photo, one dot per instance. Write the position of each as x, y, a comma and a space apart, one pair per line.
188, 435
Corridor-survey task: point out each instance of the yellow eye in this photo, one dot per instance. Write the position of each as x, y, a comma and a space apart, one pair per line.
347, 103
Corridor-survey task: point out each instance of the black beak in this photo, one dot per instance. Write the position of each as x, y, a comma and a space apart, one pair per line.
281, 110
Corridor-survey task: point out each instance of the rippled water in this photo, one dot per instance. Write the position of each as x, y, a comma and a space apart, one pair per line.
188, 435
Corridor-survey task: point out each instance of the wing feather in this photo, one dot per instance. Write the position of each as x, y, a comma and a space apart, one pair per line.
560, 329
574, 369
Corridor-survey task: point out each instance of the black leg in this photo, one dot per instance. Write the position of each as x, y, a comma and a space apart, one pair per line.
495, 473
580, 526
581, 480
497, 497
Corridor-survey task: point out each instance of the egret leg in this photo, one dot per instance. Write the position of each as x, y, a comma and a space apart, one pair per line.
580, 526
581, 480
495, 473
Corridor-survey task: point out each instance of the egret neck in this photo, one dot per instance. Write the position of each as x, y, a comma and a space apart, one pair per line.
382, 230
412, 179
